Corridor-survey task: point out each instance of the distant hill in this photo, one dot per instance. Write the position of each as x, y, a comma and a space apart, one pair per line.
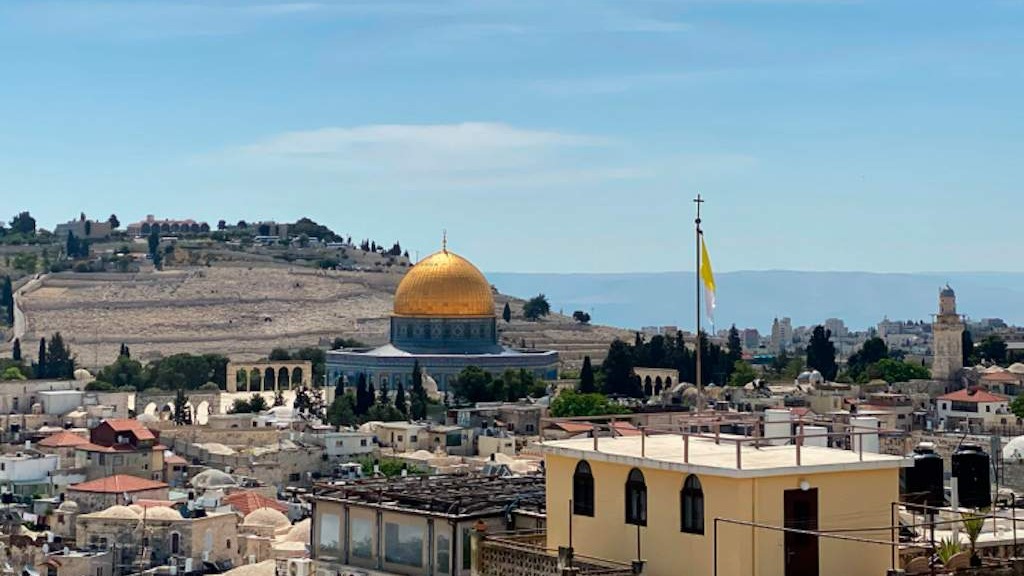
754, 298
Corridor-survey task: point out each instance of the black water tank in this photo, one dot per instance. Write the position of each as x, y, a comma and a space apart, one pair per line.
922, 484
971, 468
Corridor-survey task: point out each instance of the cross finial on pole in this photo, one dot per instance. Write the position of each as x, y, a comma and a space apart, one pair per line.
698, 201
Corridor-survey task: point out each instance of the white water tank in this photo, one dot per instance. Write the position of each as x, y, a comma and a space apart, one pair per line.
816, 436
778, 425
865, 424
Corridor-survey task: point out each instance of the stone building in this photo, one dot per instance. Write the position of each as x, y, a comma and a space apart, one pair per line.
84, 228
444, 318
146, 537
947, 333
118, 489
166, 226
122, 446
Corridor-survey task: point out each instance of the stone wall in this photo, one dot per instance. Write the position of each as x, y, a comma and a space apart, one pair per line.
526, 556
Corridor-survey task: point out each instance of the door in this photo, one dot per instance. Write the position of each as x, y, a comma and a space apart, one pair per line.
801, 550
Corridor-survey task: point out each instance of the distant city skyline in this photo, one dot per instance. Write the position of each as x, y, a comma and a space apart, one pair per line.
544, 136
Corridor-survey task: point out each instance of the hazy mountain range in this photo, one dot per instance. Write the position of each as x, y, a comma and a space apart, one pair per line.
754, 298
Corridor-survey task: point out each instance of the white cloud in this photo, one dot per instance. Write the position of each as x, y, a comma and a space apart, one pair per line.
426, 156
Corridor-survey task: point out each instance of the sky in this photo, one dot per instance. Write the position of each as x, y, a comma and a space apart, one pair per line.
543, 135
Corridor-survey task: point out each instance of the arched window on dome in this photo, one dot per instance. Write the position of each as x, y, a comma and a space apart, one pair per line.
636, 498
691, 504
583, 490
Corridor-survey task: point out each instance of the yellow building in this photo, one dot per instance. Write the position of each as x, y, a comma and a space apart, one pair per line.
663, 493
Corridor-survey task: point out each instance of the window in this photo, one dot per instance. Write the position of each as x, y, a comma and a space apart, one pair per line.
467, 549
583, 490
444, 554
413, 439
403, 544
636, 498
691, 502
330, 531
175, 543
362, 442
294, 477
361, 538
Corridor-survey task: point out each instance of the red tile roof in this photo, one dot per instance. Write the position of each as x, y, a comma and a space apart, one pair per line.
573, 427
63, 440
90, 447
174, 459
248, 500
973, 395
130, 425
117, 484
625, 429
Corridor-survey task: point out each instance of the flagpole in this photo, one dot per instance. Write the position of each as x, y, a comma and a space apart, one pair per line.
700, 383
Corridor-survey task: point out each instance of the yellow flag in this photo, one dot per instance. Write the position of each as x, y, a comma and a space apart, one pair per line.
708, 278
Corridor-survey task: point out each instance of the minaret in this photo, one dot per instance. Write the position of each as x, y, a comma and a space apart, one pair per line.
947, 334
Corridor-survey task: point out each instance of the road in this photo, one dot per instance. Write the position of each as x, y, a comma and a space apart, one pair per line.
20, 323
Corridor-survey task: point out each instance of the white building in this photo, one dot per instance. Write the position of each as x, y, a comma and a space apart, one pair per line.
345, 445
975, 407
28, 472
400, 436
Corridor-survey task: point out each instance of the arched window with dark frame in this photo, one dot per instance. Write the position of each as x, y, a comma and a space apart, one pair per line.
583, 490
636, 498
691, 503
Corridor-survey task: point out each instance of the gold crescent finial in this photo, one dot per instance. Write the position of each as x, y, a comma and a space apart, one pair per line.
444, 240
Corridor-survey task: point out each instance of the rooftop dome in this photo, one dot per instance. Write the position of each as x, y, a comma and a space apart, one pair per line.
117, 513
212, 478
444, 284
82, 374
161, 513
300, 532
266, 517
68, 506
1016, 368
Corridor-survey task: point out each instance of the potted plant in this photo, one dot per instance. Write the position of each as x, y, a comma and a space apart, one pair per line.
946, 549
973, 524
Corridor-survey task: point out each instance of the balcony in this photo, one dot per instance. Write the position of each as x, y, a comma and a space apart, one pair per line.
524, 554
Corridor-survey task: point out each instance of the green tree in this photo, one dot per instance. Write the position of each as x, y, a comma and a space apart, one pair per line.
618, 371
26, 262
417, 393
734, 346
400, 399
384, 413
7, 300
587, 385
23, 224
154, 243
873, 351
1017, 406
41, 370
255, 404
124, 372
506, 314
473, 385
279, 354
182, 415
892, 370
60, 363
581, 317
342, 411
315, 356
114, 222
967, 345
742, 374
821, 353
570, 404
536, 307
993, 349
364, 399
12, 373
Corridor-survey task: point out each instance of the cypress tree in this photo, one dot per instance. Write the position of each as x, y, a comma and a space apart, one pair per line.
383, 400
418, 404
506, 314
587, 377
400, 399
59, 362
7, 300
42, 371
16, 350
362, 402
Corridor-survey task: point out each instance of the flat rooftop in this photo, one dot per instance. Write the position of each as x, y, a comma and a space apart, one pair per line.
666, 451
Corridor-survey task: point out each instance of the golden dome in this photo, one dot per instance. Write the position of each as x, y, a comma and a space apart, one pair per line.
444, 284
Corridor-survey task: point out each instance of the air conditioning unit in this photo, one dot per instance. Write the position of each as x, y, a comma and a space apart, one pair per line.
300, 567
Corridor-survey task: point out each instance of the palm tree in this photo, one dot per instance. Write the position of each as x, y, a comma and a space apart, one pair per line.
973, 524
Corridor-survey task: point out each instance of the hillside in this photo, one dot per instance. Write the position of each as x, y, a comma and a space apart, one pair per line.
245, 308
